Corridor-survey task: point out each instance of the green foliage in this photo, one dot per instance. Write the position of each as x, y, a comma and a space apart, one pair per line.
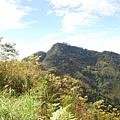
21, 108
63, 114
40, 53
7, 51
67, 99
12, 75
15, 75
101, 70
28, 93
47, 99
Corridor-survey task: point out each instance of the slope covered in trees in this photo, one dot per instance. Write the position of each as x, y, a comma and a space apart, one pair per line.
101, 70
29, 93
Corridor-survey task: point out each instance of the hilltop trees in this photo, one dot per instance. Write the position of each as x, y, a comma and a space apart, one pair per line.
16, 76
7, 51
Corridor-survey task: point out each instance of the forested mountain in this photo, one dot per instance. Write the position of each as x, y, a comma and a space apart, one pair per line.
84, 86
101, 70
40, 53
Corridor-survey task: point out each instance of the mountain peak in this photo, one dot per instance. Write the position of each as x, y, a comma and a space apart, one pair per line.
101, 70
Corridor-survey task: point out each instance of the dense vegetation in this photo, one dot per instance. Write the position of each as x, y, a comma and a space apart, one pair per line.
30, 93
101, 70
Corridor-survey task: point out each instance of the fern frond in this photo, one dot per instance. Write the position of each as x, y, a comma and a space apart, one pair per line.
63, 114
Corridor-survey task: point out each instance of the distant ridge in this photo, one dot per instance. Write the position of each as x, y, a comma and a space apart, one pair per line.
101, 70
40, 53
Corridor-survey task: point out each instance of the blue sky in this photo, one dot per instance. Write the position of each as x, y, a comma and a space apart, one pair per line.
35, 25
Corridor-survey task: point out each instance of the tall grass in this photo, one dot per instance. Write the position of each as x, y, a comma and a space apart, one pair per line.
21, 108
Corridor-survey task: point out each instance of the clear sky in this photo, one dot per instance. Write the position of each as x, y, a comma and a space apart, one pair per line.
35, 25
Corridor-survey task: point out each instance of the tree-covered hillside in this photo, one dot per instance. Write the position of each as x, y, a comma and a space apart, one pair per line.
30, 93
101, 70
